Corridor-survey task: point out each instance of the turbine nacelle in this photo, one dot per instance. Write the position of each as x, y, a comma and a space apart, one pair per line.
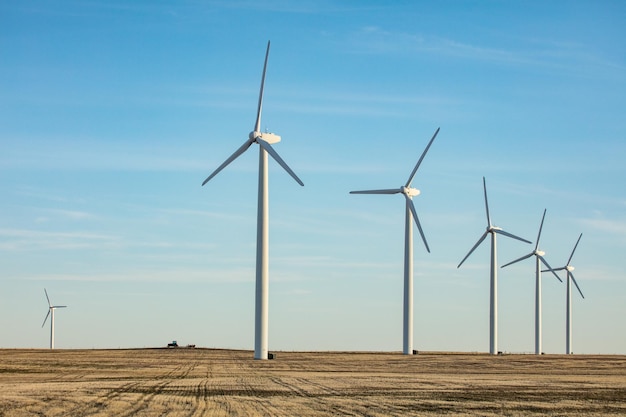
569, 268
539, 253
410, 192
267, 136
493, 228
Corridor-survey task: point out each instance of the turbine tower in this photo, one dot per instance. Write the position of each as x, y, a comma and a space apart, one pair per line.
539, 255
493, 288
410, 212
265, 141
51, 309
568, 301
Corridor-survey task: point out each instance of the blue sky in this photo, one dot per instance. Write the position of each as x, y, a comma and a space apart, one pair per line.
112, 114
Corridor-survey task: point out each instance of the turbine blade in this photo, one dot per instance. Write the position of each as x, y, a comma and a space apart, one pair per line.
44, 320
59, 306
387, 191
574, 250
474, 247
257, 124
265, 145
502, 232
550, 268
519, 259
421, 158
47, 298
554, 269
575, 283
417, 220
486, 203
234, 156
540, 227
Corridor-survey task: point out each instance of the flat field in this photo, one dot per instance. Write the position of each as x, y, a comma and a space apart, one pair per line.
211, 382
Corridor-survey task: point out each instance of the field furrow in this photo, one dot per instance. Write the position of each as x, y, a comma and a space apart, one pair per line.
212, 382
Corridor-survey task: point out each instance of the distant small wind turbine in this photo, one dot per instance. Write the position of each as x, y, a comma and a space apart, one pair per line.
493, 291
410, 212
51, 309
539, 255
264, 140
568, 308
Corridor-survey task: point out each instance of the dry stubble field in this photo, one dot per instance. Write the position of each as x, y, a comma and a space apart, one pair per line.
199, 382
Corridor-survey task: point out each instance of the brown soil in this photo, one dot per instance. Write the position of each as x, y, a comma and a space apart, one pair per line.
199, 382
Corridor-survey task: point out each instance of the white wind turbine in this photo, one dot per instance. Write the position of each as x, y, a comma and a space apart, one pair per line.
493, 291
264, 140
51, 309
568, 313
410, 211
539, 259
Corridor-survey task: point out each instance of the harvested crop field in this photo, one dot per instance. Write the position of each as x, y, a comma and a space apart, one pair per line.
199, 382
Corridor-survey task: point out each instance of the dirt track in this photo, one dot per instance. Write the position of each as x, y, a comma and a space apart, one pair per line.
198, 382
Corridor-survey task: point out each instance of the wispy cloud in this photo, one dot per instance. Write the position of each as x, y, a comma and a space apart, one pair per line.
229, 275
612, 226
376, 40
72, 214
556, 55
289, 6
20, 239
67, 153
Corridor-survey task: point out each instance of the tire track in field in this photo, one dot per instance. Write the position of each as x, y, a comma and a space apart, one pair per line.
148, 392
132, 397
321, 398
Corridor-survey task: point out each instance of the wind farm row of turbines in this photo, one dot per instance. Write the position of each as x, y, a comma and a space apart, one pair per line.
265, 141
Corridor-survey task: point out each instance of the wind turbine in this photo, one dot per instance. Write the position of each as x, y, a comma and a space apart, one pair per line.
568, 313
409, 193
539, 259
493, 291
51, 309
264, 140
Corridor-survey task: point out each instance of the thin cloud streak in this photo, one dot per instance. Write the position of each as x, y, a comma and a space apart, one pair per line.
182, 275
553, 55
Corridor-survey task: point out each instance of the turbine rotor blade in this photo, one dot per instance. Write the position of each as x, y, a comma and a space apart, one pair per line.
47, 298
387, 191
502, 232
486, 203
59, 307
574, 250
234, 156
543, 260
563, 268
519, 259
540, 227
421, 158
417, 220
575, 283
265, 145
44, 320
474, 247
257, 125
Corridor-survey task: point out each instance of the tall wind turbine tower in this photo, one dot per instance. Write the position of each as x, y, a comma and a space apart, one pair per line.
539, 259
51, 309
265, 141
410, 213
568, 301
493, 287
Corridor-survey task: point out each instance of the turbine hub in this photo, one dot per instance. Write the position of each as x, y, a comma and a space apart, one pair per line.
410, 192
266, 136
